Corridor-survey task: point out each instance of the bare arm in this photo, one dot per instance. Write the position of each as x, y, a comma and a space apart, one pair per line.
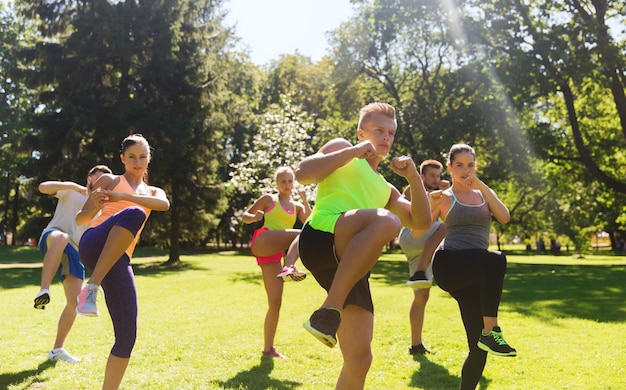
95, 201
256, 212
156, 200
332, 155
497, 208
416, 213
52, 187
304, 210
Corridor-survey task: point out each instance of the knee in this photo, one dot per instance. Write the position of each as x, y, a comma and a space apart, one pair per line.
58, 238
358, 361
135, 212
124, 344
132, 218
389, 225
275, 302
420, 299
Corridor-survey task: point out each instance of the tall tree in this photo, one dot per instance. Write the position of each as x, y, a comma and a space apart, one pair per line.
563, 64
153, 67
15, 134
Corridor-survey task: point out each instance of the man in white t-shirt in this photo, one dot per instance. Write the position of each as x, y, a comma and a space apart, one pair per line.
59, 245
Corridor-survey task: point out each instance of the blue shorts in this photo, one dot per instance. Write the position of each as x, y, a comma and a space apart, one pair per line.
70, 262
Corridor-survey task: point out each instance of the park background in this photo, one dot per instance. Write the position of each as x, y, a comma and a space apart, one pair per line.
536, 87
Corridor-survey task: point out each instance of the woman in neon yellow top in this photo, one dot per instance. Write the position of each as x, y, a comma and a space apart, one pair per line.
357, 212
269, 243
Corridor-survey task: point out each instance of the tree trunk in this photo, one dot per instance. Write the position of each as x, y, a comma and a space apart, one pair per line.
174, 232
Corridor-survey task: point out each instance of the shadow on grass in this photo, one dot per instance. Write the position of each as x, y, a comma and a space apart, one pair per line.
552, 291
438, 377
26, 378
431, 376
20, 275
257, 377
547, 291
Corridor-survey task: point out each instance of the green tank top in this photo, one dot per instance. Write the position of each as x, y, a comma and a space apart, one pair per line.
353, 186
277, 218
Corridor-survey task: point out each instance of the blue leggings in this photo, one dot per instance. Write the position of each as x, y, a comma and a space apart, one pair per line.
119, 284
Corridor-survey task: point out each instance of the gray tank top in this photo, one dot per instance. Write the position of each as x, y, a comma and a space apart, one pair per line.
468, 225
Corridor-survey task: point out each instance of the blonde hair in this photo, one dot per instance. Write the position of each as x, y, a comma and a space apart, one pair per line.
282, 170
376, 108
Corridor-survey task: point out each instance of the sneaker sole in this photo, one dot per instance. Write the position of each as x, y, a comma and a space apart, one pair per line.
42, 301
325, 339
485, 348
419, 284
298, 276
86, 314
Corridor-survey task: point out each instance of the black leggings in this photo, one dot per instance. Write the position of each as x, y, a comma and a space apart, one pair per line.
474, 277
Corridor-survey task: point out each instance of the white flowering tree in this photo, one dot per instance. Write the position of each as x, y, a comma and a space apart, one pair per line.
281, 141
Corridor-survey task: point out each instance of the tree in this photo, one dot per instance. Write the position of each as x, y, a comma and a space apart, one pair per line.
158, 68
563, 65
16, 166
281, 140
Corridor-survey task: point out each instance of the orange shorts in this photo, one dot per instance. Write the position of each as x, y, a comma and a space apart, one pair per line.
275, 258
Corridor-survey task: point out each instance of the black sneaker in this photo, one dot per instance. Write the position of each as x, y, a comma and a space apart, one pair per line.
419, 280
42, 299
419, 349
495, 344
323, 324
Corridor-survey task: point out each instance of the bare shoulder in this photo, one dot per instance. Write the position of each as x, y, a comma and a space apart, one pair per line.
335, 145
107, 181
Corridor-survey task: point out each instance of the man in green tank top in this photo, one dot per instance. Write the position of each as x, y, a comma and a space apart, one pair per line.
357, 212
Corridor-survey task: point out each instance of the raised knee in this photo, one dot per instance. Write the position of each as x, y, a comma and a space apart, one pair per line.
59, 238
135, 212
390, 224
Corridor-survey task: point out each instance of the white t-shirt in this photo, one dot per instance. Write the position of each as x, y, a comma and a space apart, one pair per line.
64, 219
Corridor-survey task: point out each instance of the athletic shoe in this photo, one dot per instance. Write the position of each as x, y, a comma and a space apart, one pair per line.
87, 300
61, 354
323, 324
42, 299
419, 349
419, 280
274, 353
291, 273
494, 343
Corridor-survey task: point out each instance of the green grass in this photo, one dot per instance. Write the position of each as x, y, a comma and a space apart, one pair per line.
200, 327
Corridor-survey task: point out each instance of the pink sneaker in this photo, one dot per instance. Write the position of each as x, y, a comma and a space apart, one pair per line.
87, 300
274, 353
291, 273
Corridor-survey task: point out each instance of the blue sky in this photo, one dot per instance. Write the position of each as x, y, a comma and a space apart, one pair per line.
269, 28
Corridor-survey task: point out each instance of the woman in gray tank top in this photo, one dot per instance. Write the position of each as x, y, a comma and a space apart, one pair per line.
464, 266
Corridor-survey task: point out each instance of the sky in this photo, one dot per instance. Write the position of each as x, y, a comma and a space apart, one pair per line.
270, 28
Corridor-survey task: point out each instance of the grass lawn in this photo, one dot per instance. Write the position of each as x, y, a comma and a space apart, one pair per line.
200, 327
